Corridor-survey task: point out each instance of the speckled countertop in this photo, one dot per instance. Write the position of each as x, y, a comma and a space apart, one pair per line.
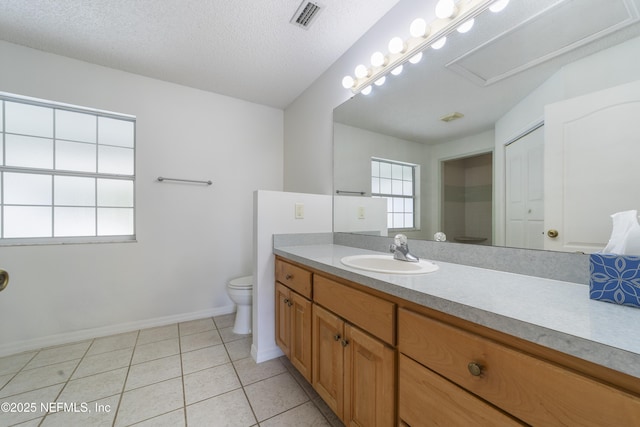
552, 313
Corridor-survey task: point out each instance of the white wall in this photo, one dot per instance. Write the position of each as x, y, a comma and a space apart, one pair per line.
191, 239
275, 214
356, 214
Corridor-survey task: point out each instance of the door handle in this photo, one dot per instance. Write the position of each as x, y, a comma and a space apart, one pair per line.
552, 233
4, 279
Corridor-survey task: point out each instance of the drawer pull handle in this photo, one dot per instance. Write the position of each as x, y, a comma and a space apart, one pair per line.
288, 276
344, 343
475, 369
337, 337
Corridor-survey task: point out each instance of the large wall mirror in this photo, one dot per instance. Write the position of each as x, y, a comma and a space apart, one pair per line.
523, 132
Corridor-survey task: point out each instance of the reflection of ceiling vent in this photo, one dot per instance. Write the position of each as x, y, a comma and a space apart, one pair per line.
306, 14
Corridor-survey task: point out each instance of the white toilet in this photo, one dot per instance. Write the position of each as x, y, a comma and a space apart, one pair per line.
240, 291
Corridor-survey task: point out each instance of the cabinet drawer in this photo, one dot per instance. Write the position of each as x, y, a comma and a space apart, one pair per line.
533, 390
294, 277
370, 313
427, 399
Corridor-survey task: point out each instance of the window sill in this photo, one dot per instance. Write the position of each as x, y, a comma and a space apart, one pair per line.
67, 241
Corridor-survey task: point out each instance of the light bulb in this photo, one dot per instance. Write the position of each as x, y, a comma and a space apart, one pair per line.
347, 82
439, 43
396, 45
380, 81
366, 90
416, 58
498, 6
418, 28
466, 26
396, 71
445, 9
377, 59
361, 71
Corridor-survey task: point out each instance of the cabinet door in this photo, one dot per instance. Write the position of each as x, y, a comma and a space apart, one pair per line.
328, 378
427, 399
283, 319
369, 380
301, 334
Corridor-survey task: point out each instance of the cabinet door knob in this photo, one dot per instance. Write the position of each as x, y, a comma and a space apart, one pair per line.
337, 337
286, 301
288, 276
475, 369
344, 343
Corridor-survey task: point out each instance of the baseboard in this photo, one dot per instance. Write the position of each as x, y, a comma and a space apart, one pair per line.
85, 334
265, 354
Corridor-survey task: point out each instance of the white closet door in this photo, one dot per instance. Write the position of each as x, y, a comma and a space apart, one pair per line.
525, 191
592, 166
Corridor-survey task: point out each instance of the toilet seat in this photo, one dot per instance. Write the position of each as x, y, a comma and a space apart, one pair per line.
245, 282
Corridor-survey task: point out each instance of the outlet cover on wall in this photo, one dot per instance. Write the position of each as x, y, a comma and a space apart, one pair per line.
361, 212
299, 210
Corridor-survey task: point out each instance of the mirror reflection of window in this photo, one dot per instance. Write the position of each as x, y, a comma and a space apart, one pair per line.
395, 181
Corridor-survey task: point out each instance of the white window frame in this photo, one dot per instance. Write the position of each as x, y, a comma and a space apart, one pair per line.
96, 237
391, 211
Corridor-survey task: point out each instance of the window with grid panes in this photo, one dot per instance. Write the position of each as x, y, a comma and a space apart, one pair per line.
67, 173
395, 181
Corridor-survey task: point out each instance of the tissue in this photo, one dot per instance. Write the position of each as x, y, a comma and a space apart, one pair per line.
625, 236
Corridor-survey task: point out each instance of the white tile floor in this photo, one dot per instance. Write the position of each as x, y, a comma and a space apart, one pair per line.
192, 374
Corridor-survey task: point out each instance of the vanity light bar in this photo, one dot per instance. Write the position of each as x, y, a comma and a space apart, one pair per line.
435, 32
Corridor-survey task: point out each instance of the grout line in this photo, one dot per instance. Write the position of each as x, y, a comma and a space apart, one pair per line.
69, 379
242, 387
184, 392
124, 383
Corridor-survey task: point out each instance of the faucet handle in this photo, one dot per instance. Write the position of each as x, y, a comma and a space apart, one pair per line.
392, 248
400, 240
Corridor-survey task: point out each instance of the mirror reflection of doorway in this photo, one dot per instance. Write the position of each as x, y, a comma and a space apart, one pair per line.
467, 208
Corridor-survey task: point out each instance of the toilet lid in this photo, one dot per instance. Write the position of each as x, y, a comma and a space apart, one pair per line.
245, 282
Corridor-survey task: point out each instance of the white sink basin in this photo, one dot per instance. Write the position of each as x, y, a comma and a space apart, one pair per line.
386, 264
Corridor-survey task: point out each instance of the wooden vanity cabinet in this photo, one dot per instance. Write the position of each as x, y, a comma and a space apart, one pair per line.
533, 390
293, 328
341, 340
293, 315
352, 371
379, 360
353, 367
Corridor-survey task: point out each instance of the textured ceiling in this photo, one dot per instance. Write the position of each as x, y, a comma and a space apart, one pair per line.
244, 49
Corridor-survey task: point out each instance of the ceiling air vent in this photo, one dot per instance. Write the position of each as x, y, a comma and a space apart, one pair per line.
305, 14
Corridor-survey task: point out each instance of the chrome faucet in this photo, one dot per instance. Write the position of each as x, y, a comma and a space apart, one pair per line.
400, 249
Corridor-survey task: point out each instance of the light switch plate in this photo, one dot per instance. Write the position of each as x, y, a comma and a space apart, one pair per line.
361, 212
299, 210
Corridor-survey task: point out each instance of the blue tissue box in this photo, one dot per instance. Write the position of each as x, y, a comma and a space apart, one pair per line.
615, 279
